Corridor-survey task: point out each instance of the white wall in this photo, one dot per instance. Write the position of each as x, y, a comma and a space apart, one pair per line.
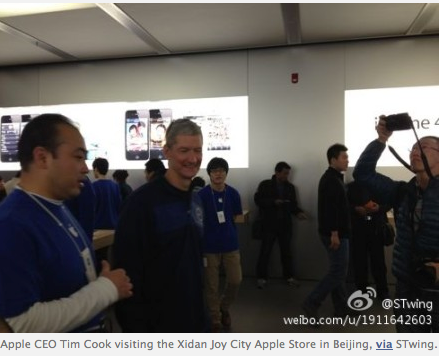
291, 122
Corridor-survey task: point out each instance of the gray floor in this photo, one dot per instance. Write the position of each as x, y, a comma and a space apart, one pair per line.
263, 311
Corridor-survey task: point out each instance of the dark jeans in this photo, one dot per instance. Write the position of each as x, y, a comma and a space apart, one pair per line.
368, 251
283, 235
334, 281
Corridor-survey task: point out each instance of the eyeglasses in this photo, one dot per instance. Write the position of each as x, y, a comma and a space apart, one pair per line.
415, 148
218, 170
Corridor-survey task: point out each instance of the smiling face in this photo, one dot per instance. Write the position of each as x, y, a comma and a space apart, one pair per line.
184, 159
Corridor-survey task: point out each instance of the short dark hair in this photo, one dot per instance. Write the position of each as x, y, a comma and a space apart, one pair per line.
335, 150
42, 131
197, 182
217, 162
280, 166
132, 127
155, 165
120, 175
101, 164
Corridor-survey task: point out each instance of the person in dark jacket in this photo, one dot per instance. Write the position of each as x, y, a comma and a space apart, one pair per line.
154, 168
159, 241
334, 231
367, 244
416, 204
277, 201
120, 177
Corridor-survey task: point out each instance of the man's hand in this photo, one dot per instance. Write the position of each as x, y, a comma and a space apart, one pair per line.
361, 210
383, 133
302, 216
335, 242
119, 278
372, 207
434, 265
278, 202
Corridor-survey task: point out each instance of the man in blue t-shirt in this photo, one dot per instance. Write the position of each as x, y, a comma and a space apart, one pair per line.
48, 279
221, 204
108, 199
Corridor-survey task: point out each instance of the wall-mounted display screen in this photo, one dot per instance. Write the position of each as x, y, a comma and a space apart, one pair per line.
128, 134
11, 128
363, 107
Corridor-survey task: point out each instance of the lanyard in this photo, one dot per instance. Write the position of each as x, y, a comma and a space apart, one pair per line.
220, 213
85, 254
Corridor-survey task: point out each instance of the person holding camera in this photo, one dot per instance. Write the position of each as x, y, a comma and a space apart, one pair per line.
416, 206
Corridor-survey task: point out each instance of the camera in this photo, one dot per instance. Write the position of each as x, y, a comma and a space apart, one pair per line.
398, 122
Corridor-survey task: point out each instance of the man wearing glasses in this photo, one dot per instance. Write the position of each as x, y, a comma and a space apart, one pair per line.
416, 252
221, 204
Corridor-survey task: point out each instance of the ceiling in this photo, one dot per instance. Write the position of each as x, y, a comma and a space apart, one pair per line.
121, 30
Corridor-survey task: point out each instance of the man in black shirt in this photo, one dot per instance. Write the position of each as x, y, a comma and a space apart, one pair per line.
334, 231
277, 202
367, 243
159, 239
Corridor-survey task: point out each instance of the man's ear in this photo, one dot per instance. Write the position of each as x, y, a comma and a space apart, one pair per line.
41, 157
166, 151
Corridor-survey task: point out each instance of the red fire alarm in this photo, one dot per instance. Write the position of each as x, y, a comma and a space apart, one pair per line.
294, 78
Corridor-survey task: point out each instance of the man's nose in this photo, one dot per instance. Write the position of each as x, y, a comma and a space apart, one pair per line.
85, 168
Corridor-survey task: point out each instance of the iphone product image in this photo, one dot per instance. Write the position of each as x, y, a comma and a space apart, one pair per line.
11, 128
159, 121
218, 133
10, 133
25, 119
136, 135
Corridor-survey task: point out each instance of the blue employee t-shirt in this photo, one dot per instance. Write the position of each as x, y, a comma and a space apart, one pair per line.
220, 237
39, 261
107, 204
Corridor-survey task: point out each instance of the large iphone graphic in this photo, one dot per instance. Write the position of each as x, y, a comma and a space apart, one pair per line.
11, 128
10, 135
218, 133
159, 120
136, 135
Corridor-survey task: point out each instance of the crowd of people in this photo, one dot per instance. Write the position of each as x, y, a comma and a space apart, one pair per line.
175, 235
